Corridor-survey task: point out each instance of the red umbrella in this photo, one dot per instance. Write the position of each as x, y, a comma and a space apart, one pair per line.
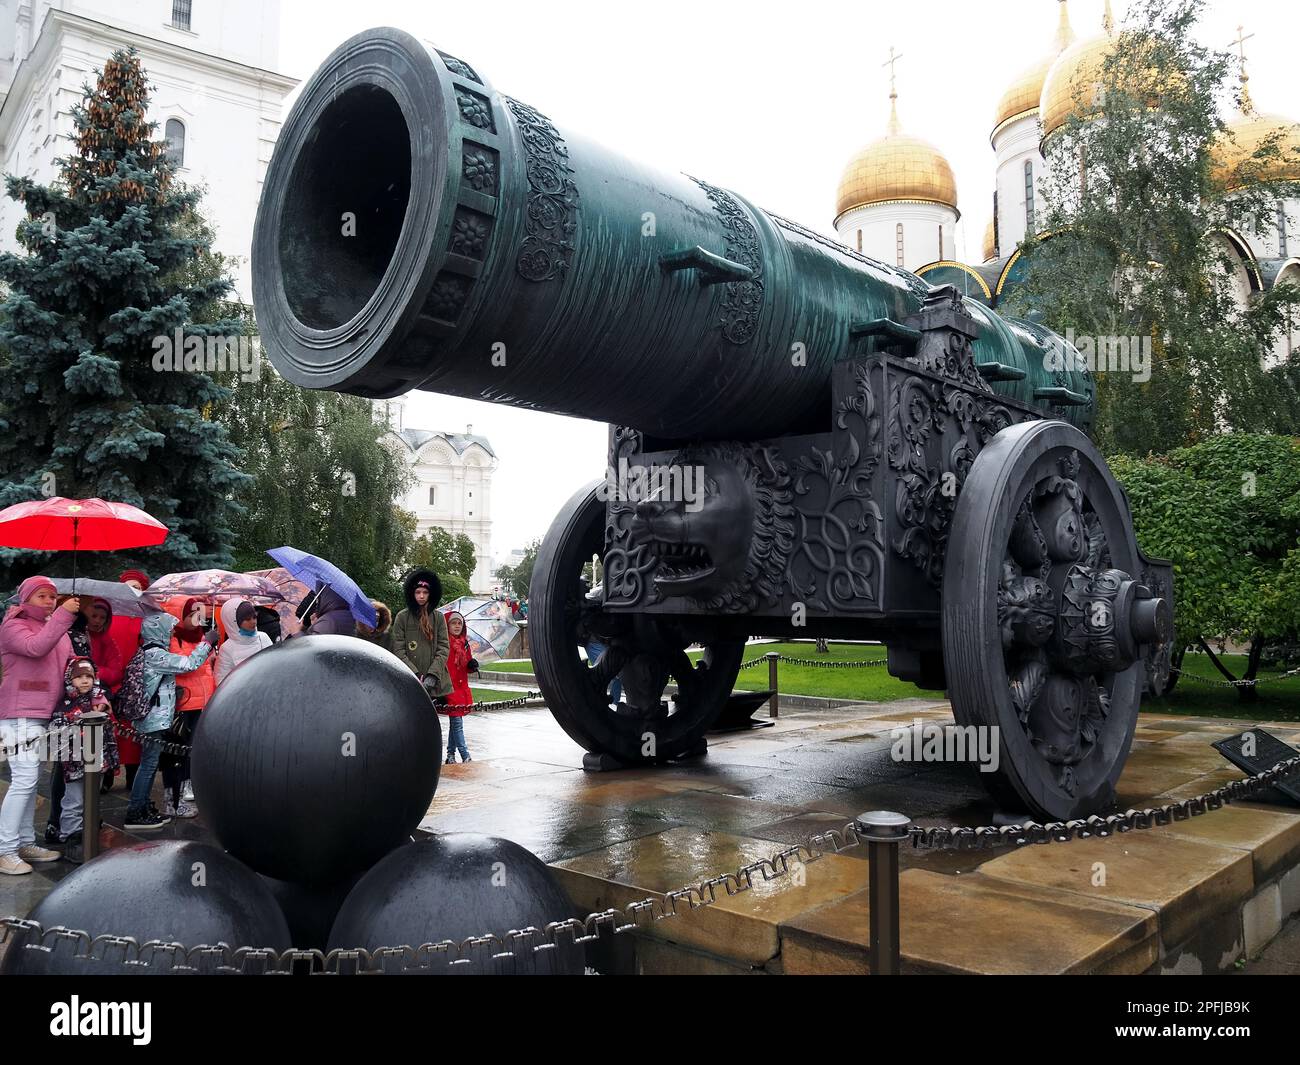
59, 524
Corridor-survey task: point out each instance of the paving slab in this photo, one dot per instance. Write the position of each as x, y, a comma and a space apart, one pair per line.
741, 928
975, 925
1183, 880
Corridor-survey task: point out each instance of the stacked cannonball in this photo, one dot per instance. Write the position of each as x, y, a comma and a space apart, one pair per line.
316, 761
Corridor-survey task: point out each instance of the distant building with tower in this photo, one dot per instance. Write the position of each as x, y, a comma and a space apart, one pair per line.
453, 482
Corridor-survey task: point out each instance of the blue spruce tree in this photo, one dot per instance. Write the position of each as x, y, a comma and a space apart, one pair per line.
112, 262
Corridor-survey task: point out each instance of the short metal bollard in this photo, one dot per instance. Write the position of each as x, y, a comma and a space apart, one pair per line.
772, 706
92, 744
884, 830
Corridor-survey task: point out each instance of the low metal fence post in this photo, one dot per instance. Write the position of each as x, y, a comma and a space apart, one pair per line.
92, 740
884, 830
773, 707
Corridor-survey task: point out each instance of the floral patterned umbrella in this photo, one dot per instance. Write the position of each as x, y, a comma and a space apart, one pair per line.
214, 585
487, 624
293, 592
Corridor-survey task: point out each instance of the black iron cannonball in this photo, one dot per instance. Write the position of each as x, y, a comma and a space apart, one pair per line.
452, 887
316, 757
178, 891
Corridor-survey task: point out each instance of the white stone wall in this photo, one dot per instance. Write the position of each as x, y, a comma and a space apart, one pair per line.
873, 230
463, 496
218, 79
1015, 144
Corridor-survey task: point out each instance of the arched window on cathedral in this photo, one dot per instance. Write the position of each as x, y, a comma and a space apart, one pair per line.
1281, 230
1029, 196
433, 495
940, 240
175, 131
997, 247
898, 242
859, 242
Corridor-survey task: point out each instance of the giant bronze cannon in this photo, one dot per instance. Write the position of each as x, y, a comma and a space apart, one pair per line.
803, 441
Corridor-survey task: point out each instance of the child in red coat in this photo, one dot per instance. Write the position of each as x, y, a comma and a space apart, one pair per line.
460, 664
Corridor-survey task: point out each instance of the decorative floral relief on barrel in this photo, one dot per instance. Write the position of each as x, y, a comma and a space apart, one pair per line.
551, 212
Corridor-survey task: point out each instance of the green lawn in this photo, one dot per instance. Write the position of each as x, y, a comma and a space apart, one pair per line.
1278, 701
491, 695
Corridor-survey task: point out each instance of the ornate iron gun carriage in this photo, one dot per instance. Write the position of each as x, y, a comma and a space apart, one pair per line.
840, 449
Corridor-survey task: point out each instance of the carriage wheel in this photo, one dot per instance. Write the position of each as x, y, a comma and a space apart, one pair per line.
1044, 622
643, 652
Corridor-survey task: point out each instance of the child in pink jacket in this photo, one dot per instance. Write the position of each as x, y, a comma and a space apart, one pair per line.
34, 650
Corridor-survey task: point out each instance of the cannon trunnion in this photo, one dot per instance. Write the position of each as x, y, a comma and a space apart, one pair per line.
803, 441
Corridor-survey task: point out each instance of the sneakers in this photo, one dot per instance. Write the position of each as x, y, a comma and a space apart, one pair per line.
12, 865
467, 758
186, 810
51, 833
32, 853
150, 821
451, 760
187, 791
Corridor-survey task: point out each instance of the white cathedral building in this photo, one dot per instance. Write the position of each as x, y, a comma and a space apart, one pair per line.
897, 198
453, 482
216, 96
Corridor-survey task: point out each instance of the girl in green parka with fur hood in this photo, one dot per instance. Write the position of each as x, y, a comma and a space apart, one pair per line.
420, 633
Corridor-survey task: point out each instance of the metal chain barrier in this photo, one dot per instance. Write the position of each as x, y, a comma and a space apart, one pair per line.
1253, 682
501, 704
535, 941
644, 913
180, 750
989, 836
813, 662
12, 752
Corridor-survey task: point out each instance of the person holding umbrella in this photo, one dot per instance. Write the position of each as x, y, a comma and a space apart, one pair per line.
34, 651
337, 599
420, 633
330, 614
460, 664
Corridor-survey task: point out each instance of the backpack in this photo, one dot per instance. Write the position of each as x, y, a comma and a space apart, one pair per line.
132, 704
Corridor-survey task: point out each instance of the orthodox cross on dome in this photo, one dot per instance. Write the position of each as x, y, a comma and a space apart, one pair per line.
1242, 76
893, 90
1108, 21
1064, 31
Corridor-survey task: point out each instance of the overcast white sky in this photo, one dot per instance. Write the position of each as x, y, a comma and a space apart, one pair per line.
767, 98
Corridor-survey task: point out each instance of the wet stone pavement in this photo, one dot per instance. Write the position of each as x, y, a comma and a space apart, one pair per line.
1179, 899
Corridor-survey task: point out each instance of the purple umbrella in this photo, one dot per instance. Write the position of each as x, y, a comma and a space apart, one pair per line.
318, 572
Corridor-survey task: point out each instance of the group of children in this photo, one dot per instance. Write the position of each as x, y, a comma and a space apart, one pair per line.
154, 677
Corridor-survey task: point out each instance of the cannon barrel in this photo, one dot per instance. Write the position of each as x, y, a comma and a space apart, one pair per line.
417, 229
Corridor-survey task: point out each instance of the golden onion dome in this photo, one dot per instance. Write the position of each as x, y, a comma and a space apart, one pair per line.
1072, 82
1245, 135
896, 167
1023, 94
989, 241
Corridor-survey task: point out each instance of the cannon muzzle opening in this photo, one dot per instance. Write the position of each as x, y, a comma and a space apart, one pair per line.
340, 230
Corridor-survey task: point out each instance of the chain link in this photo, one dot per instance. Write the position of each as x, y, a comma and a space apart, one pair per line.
1235, 683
